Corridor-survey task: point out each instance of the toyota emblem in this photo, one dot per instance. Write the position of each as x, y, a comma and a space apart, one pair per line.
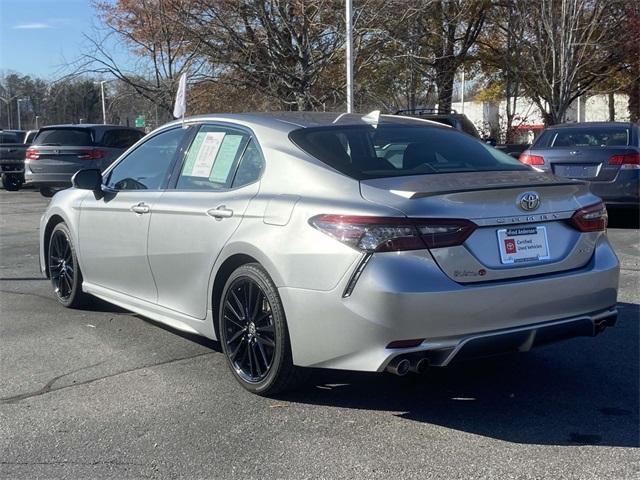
529, 201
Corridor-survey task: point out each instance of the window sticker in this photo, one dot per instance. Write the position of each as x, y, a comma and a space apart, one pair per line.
224, 161
202, 154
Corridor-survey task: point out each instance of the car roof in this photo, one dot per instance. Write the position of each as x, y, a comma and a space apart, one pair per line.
289, 121
93, 126
591, 124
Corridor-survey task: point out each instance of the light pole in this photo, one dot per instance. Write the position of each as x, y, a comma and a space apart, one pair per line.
104, 109
7, 101
37, 122
18, 103
348, 20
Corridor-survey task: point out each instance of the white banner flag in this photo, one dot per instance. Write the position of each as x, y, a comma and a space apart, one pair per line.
181, 98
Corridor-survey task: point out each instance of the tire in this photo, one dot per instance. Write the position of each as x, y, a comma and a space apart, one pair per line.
64, 271
254, 335
11, 182
47, 192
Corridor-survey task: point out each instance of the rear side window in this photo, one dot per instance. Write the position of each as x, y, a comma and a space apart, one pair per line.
251, 166
363, 152
584, 137
121, 138
67, 137
212, 159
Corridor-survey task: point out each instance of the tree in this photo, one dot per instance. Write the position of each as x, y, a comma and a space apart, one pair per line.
151, 31
569, 47
279, 48
501, 53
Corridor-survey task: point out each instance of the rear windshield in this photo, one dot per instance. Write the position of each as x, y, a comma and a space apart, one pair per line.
11, 137
66, 137
584, 137
364, 152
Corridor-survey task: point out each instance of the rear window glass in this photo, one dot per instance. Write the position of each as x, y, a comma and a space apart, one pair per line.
72, 137
121, 138
363, 152
11, 137
584, 137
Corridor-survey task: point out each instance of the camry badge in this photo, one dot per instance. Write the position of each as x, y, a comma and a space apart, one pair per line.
529, 201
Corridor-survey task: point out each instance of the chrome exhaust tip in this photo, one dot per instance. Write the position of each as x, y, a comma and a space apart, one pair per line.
399, 366
420, 366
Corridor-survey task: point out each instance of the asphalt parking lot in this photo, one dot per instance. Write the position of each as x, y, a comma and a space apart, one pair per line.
103, 393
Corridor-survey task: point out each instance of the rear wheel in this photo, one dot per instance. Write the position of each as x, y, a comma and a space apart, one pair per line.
253, 333
12, 182
64, 270
47, 192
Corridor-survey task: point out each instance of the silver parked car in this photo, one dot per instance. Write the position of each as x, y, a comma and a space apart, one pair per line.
375, 243
59, 151
606, 154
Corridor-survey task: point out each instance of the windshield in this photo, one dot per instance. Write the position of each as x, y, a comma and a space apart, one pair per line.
67, 137
368, 151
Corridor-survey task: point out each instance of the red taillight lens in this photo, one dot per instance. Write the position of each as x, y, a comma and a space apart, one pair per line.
391, 234
31, 154
629, 160
94, 154
591, 219
528, 159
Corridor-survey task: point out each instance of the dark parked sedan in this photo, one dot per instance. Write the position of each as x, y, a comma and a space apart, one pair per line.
607, 154
60, 151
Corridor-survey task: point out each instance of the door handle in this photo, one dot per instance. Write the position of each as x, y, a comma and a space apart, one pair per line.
220, 212
140, 208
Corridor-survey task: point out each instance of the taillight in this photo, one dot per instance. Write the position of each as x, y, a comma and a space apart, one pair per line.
528, 159
392, 234
93, 154
628, 160
31, 154
591, 219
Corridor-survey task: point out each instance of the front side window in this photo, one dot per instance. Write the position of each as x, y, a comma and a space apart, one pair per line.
212, 159
147, 166
368, 151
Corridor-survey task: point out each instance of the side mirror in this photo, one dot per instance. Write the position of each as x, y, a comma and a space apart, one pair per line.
88, 179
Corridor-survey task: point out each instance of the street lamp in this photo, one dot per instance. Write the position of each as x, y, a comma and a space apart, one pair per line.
18, 103
104, 108
7, 101
349, 54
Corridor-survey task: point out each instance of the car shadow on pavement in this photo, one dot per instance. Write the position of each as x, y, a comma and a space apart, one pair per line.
627, 218
580, 392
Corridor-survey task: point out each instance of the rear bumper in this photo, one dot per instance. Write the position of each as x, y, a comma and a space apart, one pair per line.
624, 190
12, 167
47, 179
406, 296
520, 339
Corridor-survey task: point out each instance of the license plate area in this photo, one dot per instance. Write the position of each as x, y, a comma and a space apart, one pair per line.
523, 244
577, 170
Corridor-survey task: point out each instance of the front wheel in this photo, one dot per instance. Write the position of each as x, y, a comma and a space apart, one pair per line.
64, 270
253, 333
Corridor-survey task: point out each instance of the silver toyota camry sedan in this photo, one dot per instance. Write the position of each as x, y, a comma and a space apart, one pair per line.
372, 243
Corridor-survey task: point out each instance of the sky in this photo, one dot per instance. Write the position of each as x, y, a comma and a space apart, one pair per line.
38, 36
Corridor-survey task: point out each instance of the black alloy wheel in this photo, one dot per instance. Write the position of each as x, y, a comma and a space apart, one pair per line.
249, 329
253, 333
64, 270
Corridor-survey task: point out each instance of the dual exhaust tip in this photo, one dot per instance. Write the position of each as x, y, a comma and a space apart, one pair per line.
402, 365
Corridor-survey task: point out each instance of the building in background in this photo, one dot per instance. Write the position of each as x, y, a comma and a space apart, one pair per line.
489, 117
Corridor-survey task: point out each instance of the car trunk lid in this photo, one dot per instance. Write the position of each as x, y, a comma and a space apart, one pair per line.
584, 163
492, 201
